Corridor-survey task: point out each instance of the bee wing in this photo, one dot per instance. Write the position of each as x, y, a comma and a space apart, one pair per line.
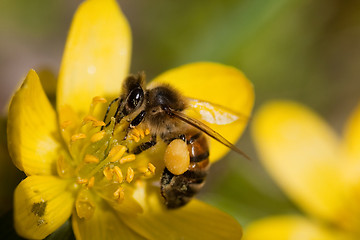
214, 113
207, 130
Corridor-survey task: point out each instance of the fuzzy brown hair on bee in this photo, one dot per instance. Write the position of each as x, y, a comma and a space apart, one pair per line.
161, 110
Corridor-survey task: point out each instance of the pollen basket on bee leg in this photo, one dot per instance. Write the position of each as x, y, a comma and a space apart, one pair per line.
177, 158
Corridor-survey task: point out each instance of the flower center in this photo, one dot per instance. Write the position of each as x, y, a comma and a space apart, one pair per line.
101, 161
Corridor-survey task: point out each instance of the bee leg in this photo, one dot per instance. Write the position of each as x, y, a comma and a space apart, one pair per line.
138, 119
107, 112
145, 146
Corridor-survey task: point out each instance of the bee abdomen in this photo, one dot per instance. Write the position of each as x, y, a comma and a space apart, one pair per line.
178, 190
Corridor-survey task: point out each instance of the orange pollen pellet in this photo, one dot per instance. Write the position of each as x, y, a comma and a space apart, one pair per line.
99, 99
128, 158
90, 159
119, 174
65, 124
97, 136
129, 175
147, 132
151, 167
108, 173
91, 182
82, 180
78, 136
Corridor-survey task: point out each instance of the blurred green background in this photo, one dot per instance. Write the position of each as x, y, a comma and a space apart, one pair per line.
308, 51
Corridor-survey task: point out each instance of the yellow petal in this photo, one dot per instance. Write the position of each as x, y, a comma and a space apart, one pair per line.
218, 85
96, 57
196, 220
301, 152
33, 134
104, 224
41, 205
352, 135
289, 227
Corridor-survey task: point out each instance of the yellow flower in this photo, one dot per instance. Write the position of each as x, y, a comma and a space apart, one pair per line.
316, 168
76, 169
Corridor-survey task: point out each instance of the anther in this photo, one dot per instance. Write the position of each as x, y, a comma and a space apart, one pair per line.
129, 175
119, 194
147, 132
128, 158
90, 159
119, 174
142, 134
135, 138
151, 167
91, 182
116, 153
98, 123
78, 136
82, 180
65, 124
97, 136
99, 99
108, 173
90, 118
135, 132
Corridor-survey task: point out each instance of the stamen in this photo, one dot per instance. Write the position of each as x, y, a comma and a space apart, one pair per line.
116, 153
119, 174
90, 159
108, 173
128, 158
82, 180
129, 175
84, 204
99, 99
91, 182
63, 168
119, 194
98, 124
78, 136
151, 167
90, 118
97, 136
147, 132
135, 138
65, 124
135, 132
141, 132
150, 171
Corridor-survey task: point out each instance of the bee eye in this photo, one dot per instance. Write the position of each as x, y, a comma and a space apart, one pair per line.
135, 98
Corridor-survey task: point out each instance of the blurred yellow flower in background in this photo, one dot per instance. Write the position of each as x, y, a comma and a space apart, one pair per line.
74, 169
318, 170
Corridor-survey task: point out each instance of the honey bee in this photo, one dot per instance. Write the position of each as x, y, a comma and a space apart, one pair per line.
161, 110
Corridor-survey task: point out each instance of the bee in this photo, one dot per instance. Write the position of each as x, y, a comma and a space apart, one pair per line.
161, 110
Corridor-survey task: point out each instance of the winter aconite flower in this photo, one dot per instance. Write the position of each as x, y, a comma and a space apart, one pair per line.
317, 169
75, 168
